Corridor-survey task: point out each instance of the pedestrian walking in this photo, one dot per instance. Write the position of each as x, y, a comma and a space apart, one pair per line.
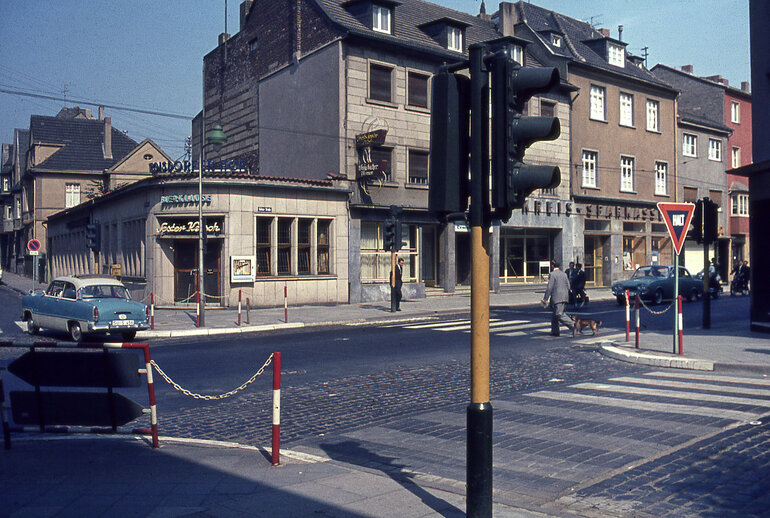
398, 283
557, 293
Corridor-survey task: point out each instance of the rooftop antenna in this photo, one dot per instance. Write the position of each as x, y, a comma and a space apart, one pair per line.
593, 21
645, 53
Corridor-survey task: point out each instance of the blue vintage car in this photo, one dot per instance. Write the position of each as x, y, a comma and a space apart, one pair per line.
656, 283
85, 304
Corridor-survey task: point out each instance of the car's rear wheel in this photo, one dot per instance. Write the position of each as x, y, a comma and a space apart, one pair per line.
75, 332
128, 336
32, 327
657, 297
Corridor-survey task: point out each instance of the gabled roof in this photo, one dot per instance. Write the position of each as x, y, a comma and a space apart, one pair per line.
409, 16
580, 41
81, 141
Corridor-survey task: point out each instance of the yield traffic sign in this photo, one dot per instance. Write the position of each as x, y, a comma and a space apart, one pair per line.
677, 217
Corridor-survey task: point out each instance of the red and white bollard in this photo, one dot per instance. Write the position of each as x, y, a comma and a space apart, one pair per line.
276, 408
637, 321
239, 307
681, 327
285, 304
628, 316
197, 309
248, 321
152, 310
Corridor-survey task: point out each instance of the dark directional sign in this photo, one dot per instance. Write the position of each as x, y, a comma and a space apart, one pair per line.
73, 409
78, 369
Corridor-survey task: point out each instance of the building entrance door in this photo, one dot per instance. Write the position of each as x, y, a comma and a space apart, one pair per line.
594, 267
186, 270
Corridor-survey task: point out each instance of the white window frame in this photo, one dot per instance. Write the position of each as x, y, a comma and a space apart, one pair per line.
590, 161
598, 108
518, 54
653, 115
381, 19
689, 144
736, 157
18, 207
454, 39
555, 40
627, 166
616, 55
6, 184
661, 178
715, 150
71, 195
626, 109
739, 204
735, 112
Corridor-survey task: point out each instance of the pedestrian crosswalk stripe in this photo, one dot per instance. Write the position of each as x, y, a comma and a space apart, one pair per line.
462, 326
712, 377
430, 325
693, 385
675, 394
670, 408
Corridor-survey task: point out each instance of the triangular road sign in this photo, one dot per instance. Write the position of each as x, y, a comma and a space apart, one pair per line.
677, 217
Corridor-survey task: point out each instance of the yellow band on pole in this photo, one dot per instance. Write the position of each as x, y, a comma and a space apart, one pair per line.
479, 316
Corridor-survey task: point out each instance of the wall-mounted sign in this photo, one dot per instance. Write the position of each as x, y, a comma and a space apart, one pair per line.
176, 199
242, 268
264, 209
231, 165
173, 227
366, 169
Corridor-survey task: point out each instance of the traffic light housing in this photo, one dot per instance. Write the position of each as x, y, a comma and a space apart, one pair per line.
448, 186
697, 222
389, 236
92, 236
512, 133
710, 221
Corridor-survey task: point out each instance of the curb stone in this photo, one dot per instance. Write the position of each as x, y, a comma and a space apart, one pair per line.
623, 353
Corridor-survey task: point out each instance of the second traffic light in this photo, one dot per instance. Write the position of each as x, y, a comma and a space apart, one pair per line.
512, 133
705, 221
92, 236
389, 236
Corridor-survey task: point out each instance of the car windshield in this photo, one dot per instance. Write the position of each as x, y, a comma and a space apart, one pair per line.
104, 291
651, 271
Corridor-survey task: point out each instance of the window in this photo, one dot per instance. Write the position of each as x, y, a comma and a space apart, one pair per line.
454, 39
590, 161
417, 90
381, 19
547, 108
616, 55
322, 245
304, 230
381, 156
735, 112
518, 54
736, 157
8, 212
653, 109
284, 246
689, 145
555, 40
6, 185
597, 103
661, 175
627, 174
715, 149
626, 109
380, 82
18, 208
71, 195
418, 167
375, 262
263, 246
690, 194
740, 204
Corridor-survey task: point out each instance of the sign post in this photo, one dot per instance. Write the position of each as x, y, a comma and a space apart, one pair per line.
33, 245
677, 217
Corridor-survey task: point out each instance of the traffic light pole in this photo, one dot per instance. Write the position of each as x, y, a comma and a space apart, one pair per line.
706, 286
479, 413
392, 281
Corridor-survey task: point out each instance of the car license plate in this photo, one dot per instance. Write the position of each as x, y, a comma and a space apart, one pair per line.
122, 323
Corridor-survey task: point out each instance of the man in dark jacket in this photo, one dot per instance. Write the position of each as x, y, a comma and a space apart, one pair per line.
557, 292
398, 283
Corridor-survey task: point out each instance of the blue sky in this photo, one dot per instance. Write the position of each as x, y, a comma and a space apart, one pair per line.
148, 55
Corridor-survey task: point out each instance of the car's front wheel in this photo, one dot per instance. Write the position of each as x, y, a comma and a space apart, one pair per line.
75, 332
32, 327
657, 297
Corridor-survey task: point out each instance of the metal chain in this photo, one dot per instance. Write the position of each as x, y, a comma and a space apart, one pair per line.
207, 397
652, 310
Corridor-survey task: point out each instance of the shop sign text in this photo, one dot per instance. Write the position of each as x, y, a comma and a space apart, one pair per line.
188, 227
183, 198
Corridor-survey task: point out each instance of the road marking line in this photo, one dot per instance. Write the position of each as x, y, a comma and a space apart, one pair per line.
438, 324
693, 385
707, 377
691, 396
22, 324
671, 408
466, 326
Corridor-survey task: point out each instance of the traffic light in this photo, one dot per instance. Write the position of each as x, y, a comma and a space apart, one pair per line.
710, 221
512, 133
697, 222
389, 237
92, 236
399, 237
448, 187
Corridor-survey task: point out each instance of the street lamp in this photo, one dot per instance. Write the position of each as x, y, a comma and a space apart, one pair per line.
217, 139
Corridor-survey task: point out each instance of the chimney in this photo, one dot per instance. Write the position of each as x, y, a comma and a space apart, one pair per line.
509, 17
223, 37
620, 33
745, 86
101, 113
107, 146
245, 7
605, 32
687, 69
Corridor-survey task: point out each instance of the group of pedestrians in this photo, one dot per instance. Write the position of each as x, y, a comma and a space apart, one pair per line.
564, 287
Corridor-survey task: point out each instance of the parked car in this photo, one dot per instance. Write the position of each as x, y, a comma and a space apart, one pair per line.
85, 304
656, 283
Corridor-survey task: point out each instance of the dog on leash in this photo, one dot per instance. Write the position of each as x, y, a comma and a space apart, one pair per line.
580, 323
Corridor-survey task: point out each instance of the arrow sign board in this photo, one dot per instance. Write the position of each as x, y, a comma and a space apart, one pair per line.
78, 369
677, 217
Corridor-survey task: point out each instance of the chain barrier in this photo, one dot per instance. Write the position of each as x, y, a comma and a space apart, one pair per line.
218, 396
215, 296
653, 311
160, 301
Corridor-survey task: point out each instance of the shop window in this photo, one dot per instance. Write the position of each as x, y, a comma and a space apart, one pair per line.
284, 246
633, 252
304, 230
375, 262
263, 246
662, 251
323, 246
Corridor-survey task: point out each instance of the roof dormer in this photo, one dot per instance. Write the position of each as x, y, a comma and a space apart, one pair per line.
447, 32
554, 38
611, 50
377, 15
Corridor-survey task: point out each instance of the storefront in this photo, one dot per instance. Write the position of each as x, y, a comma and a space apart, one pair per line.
263, 236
